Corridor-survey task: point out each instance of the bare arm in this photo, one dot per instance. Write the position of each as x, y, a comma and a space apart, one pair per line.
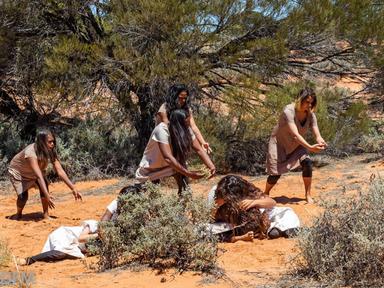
61, 173
316, 133
198, 135
204, 156
300, 139
106, 216
40, 179
264, 202
86, 235
165, 150
161, 117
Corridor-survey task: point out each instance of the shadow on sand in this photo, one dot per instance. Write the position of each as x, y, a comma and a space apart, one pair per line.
35, 217
287, 200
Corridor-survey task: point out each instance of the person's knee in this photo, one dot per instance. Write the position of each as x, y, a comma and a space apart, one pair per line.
22, 199
306, 165
272, 179
274, 233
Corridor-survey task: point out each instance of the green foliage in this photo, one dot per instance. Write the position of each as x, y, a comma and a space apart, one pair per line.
373, 142
344, 247
91, 151
158, 230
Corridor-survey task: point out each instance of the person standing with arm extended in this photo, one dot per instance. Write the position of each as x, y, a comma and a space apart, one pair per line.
27, 169
287, 147
178, 98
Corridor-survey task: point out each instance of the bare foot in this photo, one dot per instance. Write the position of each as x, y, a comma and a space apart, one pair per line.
310, 200
246, 237
16, 217
47, 217
21, 261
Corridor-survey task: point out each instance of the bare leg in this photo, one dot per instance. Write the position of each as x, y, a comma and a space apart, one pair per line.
20, 203
245, 237
44, 201
307, 187
268, 187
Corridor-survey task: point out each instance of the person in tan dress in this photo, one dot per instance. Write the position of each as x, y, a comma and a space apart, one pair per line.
287, 148
178, 98
27, 169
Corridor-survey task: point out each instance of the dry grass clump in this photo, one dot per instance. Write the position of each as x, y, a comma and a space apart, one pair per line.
345, 246
158, 230
4, 253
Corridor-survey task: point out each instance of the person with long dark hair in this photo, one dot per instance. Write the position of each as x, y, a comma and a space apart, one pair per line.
168, 149
28, 168
178, 98
243, 212
287, 147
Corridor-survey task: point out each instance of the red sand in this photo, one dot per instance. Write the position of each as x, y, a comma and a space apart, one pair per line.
245, 263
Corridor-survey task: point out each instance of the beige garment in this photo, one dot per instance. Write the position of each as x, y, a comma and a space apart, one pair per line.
153, 165
163, 110
284, 152
20, 171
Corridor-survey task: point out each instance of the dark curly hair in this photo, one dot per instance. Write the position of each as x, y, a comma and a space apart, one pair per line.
233, 189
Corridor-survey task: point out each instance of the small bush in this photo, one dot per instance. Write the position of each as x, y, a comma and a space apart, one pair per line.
4, 253
374, 141
345, 245
158, 230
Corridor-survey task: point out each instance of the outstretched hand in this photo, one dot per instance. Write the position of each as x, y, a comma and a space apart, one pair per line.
246, 204
317, 148
77, 195
50, 199
195, 174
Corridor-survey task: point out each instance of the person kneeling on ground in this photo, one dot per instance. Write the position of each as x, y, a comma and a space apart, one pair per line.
167, 151
243, 212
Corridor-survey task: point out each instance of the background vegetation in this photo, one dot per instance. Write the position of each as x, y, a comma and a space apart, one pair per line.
344, 247
97, 71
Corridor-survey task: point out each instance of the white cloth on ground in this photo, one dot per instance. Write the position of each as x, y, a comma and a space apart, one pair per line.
65, 238
282, 218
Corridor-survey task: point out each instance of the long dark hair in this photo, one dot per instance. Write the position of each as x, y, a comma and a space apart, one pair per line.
181, 139
233, 189
172, 99
43, 153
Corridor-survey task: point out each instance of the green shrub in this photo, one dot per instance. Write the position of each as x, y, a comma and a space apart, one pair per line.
374, 141
158, 230
239, 139
345, 245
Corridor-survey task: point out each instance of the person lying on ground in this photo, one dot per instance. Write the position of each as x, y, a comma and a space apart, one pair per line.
242, 212
69, 242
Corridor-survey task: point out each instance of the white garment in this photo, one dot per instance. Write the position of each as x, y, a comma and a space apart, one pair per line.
282, 218
65, 239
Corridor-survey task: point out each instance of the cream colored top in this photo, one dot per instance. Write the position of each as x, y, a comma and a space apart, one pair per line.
20, 167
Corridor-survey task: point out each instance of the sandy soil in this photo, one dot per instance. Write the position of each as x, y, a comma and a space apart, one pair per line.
246, 264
